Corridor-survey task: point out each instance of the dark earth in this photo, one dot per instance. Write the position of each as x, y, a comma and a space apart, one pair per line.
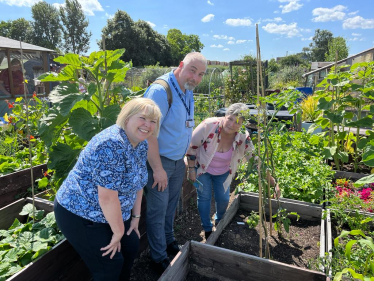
295, 248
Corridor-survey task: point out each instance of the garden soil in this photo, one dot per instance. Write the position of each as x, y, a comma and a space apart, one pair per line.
296, 249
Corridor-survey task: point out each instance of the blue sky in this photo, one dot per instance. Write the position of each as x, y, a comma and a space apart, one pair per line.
227, 28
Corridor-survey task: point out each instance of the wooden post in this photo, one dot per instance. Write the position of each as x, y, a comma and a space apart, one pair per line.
46, 69
10, 73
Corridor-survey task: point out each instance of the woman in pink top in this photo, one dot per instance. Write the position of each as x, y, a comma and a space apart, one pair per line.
216, 149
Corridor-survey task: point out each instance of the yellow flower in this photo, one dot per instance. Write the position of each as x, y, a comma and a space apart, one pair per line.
6, 117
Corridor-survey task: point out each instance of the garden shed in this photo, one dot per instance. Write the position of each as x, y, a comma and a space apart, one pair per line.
36, 60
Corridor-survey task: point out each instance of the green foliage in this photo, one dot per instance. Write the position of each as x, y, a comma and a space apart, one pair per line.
320, 45
74, 28
17, 29
293, 60
182, 44
151, 73
206, 105
289, 76
47, 30
334, 102
253, 219
337, 44
282, 219
77, 116
24, 243
298, 164
309, 108
358, 255
143, 45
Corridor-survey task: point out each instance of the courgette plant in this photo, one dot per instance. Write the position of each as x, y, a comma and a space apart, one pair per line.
82, 107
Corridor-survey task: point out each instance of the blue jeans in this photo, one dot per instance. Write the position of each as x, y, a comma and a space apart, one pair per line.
161, 207
204, 197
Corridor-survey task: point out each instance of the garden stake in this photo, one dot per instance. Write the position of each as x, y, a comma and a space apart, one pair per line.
28, 134
259, 144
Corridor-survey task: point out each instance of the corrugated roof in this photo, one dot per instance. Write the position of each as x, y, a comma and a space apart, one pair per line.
14, 44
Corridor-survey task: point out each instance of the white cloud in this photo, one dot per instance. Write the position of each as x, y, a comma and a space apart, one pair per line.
292, 6
307, 39
326, 14
19, 3
216, 46
56, 5
358, 22
226, 49
356, 39
208, 18
224, 37
240, 41
231, 42
356, 34
276, 12
151, 24
352, 13
290, 30
277, 19
90, 6
109, 16
210, 3
238, 22
165, 26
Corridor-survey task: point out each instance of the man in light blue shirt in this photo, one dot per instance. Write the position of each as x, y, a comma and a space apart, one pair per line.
166, 167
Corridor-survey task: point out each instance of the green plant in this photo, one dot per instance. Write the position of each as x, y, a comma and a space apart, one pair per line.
24, 243
253, 219
309, 109
77, 116
298, 165
282, 219
289, 76
360, 256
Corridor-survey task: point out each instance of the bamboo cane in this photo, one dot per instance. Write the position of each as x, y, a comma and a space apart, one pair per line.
28, 134
259, 142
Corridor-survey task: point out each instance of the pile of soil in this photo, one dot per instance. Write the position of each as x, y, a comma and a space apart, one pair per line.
298, 247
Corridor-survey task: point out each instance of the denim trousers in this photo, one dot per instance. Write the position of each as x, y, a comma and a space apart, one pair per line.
161, 207
88, 237
204, 196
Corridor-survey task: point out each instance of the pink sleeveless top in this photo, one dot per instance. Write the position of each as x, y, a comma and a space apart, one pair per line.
220, 163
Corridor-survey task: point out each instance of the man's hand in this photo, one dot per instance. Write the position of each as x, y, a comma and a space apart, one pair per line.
160, 179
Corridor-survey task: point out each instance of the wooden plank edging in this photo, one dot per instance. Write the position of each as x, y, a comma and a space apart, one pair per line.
179, 266
229, 215
213, 261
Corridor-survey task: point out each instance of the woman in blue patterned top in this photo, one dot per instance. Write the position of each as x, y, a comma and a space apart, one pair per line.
98, 205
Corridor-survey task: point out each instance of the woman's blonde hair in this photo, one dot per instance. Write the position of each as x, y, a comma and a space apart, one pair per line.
140, 105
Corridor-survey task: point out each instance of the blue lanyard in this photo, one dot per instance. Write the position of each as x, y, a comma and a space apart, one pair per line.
180, 96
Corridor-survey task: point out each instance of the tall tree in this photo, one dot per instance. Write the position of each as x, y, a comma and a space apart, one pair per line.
143, 45
182, 44
74, 28
337, 44
320, 45
17, 29
292, 60
47, 30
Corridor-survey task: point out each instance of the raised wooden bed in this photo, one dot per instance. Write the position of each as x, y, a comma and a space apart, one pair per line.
17, 183
349, 175
249, 201
60, 263
223, 264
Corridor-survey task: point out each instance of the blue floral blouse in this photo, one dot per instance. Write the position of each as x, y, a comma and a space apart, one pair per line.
109, 160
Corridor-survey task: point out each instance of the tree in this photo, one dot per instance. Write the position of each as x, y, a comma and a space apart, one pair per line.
337, 44
143, 45
47, 29
292, 60
319, 47
182, 44
17, 29
74, 28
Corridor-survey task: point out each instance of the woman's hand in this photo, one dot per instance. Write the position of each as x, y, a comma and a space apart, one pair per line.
191, 175
114, 245
134, 226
